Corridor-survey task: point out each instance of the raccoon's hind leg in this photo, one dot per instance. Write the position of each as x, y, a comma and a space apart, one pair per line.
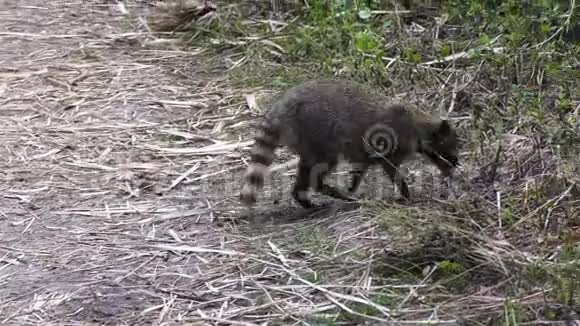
307, 173
357, 174
322, 187
302, 184
392, 170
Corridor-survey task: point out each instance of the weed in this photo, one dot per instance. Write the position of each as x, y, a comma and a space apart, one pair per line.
513, 314
315, 240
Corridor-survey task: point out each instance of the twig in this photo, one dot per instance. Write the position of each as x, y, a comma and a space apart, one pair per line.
183, 176
196, 249
550, 203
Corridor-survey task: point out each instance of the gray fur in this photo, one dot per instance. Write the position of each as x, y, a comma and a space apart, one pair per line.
324, 120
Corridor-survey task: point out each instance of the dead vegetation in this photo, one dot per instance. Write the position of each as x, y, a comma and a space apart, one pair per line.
120, 157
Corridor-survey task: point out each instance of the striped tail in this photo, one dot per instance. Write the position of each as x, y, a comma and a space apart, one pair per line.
261, 157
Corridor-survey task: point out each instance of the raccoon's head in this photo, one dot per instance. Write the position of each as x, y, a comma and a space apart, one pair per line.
441, 146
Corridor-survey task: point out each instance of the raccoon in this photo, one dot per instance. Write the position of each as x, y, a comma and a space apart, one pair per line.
323, 121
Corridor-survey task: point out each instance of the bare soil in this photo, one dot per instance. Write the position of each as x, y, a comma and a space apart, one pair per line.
86, 109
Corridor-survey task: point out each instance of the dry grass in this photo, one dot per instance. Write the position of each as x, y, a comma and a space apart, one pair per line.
118, 202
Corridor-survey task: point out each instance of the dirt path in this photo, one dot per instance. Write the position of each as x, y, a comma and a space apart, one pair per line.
87, 112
